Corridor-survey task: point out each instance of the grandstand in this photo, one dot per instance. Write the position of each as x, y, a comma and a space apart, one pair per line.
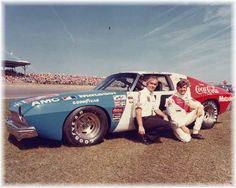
14, 64
12, 76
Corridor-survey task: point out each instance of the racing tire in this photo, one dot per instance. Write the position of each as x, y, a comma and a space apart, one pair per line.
86, 126
211, 114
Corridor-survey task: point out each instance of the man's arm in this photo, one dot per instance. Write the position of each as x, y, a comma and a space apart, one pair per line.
162, 114
197, 106
139, 119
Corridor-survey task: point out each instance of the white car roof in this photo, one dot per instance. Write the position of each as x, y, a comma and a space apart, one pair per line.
149, 72
140, 72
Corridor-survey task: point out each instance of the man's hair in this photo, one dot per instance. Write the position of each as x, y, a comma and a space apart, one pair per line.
151, 78
183, 83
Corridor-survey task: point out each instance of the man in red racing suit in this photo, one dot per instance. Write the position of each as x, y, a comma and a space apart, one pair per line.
183, 110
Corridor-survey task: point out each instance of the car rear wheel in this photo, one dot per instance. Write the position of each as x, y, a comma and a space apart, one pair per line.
211, 114
85, 126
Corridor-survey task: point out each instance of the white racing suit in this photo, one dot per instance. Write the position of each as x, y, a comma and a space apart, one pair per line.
181, 110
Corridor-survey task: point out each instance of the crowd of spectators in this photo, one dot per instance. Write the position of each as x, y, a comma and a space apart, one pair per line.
11, 76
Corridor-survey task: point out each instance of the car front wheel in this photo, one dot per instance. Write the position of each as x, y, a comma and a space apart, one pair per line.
86, 126
211, 114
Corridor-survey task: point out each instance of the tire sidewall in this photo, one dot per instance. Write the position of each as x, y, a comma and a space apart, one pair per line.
207, 124
76, 140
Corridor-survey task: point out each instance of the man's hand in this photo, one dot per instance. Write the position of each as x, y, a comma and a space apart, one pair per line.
141, 130
166, 118
199, 111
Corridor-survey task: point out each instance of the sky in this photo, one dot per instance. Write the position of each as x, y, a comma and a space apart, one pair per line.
101, 39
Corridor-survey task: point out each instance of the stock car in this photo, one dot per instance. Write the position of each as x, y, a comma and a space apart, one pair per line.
85, 117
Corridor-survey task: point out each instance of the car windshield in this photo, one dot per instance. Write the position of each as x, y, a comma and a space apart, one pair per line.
118, 82
226, 87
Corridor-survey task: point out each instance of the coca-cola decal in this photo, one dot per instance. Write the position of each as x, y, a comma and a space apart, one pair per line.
205, 89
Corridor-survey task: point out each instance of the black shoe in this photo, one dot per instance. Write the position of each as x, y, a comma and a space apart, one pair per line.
146, 140
197, 136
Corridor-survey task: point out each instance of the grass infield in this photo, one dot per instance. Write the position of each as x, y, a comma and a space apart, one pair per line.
122, 159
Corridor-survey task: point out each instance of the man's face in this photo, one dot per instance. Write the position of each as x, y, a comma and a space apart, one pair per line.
182, 90
152, 84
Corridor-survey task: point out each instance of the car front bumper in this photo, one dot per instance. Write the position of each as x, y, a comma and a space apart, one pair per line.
20, 132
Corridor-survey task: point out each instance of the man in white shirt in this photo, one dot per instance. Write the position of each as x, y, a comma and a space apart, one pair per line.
149, 117
183, 111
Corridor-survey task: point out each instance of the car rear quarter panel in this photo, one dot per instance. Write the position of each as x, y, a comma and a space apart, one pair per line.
202, 92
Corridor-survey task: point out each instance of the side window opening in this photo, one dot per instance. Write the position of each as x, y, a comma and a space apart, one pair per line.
140, 84
161, 86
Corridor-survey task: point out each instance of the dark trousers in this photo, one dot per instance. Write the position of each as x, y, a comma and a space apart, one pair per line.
153, 125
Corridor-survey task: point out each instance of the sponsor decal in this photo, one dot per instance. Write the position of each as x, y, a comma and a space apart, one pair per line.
86, 101
117, 110
67, 98
119, 103
119, 100
117, 113
45, 101
97, 94
205, 89
38, 98
119, 97
225, 99
26, 101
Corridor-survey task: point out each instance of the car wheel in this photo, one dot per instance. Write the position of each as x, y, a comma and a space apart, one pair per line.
211, 114
86, 126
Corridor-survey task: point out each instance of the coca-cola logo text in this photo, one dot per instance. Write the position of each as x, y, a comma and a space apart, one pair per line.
205, 89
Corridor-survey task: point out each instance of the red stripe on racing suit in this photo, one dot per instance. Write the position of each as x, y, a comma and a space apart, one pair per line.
181, 102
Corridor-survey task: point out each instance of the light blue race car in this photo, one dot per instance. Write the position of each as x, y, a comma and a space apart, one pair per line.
84, 118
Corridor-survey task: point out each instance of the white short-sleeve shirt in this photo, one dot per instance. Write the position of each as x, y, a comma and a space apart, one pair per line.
147, 102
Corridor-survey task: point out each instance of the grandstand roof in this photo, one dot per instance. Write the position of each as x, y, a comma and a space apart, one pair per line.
13, 64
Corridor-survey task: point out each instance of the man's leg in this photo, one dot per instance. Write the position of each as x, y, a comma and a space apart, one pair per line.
198, 124
155, 122
152, 124
143, 138
190, 118
181, 135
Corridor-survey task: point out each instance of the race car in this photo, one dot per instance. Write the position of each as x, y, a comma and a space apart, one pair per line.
85, 117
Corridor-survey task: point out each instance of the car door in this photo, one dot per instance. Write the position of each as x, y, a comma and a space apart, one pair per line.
126, 121
163, 91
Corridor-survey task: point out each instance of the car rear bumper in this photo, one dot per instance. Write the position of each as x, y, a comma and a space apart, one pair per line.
20, 132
